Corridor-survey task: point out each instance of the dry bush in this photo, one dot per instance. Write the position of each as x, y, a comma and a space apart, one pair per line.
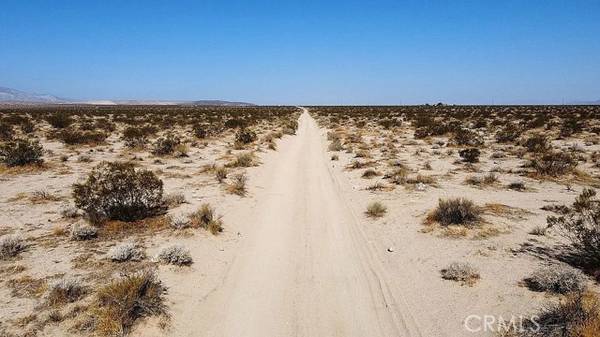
238, 185
376, 210
175, 254
221, 174
166, 145
59, 120
118, 191
27, 286
335, 145
370, 173
554, 163
65, 291
245, 159
488, 179
127, 251
174, 199
206, 218
245, 136
11, 246
580, 223
461, 272
577, 315
83, 232
135, 137
457, 211
123, 301
537, 143
21, 152
517, 186
71, 136
470, 155
556, 279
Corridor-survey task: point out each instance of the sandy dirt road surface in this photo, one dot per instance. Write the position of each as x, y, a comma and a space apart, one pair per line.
304, 268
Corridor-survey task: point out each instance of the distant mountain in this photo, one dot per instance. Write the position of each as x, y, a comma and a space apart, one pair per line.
8, 95
12, 96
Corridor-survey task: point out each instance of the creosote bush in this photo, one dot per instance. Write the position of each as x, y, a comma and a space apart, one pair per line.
118, 191
245, 136
470, 155
123, 301
166, 145
21, 152
554, 163
580, 223
376, 210
457, 211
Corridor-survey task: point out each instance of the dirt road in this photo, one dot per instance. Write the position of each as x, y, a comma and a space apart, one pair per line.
305, 268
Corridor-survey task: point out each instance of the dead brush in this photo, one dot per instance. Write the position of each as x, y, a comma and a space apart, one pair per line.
376, 210
11, 246
370, 173
220, 174
206, 218
245, 159
461, 272
238, 185
65, 291
123, 301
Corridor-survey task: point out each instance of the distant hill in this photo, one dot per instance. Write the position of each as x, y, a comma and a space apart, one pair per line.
9, 95
13, 96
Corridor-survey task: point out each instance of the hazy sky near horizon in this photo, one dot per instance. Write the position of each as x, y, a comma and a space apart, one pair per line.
304, 52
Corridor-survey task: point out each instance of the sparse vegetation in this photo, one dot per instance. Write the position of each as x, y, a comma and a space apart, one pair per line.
461, 272
457, 211
376, 210
176, 255
556, 279
21, 152
11, 246
206, 218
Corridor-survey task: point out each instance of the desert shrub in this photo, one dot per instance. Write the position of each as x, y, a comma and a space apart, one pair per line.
6, 131
463, 136
556, 279
238, 185
335, 157
83, 232
508, 134
245, 159
389, 123
175, 254
206, 218
134, 137
59, 120
517, 186
125, 300
399, 176
461, 272
245, 136
165, 145
577, 315
72, 136
488, 179
554, 163
457, 211
120, 192
376, 210
174, 199
580, 223
290, 126
200, 131
11, 246
536, 143
539, 230
127, 251
21, 152
65, 291
470, 155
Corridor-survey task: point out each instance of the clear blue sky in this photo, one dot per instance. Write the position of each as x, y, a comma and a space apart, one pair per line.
304, 52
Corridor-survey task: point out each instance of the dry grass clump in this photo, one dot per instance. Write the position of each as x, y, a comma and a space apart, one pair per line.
42, 196
27, 286
123, 301
335, 145
486, 180
176, 254
245, 159
370, 173
20, 152
118, 191
174, 199
206, 218
11, 246
238, 185
556, 279
127, 251
461, 272
457, 211
376, 210
221, 173
65, 291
